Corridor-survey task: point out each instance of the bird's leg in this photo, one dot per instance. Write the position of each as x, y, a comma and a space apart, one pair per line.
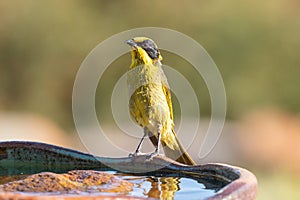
138, 149
157, 146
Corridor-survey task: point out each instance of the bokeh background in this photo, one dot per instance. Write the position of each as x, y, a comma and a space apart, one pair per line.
255, 44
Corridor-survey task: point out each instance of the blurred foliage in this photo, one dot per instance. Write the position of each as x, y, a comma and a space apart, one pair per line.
255, 44
277, 185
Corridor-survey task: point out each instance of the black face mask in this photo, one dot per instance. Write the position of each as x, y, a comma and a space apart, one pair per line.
150, 48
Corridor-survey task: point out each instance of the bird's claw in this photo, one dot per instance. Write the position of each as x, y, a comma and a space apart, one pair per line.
137, 153
150, 156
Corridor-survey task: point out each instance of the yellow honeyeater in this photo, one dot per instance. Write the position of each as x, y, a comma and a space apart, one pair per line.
150, 102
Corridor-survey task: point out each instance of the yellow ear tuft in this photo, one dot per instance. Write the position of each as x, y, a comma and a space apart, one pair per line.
160, 57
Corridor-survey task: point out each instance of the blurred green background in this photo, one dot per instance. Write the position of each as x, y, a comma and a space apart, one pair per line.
255, 44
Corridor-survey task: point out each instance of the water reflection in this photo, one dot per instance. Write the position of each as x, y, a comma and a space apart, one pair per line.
163, 188
168, 187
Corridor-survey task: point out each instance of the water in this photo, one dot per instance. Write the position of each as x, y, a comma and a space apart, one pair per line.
168, 187
163, 187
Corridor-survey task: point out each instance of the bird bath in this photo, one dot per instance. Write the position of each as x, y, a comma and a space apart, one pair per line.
164, 178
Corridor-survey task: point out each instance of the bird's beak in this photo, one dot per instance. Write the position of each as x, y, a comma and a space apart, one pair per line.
131, 43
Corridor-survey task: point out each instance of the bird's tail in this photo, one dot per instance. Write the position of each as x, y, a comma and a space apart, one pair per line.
178, 153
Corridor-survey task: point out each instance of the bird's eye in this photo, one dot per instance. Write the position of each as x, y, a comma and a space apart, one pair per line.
145, 45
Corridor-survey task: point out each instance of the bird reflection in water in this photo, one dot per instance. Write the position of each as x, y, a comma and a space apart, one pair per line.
163, 188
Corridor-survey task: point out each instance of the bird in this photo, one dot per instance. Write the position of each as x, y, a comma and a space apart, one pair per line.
150, 103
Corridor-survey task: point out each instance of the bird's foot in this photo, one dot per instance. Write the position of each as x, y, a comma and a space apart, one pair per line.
150, 156
136, 153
